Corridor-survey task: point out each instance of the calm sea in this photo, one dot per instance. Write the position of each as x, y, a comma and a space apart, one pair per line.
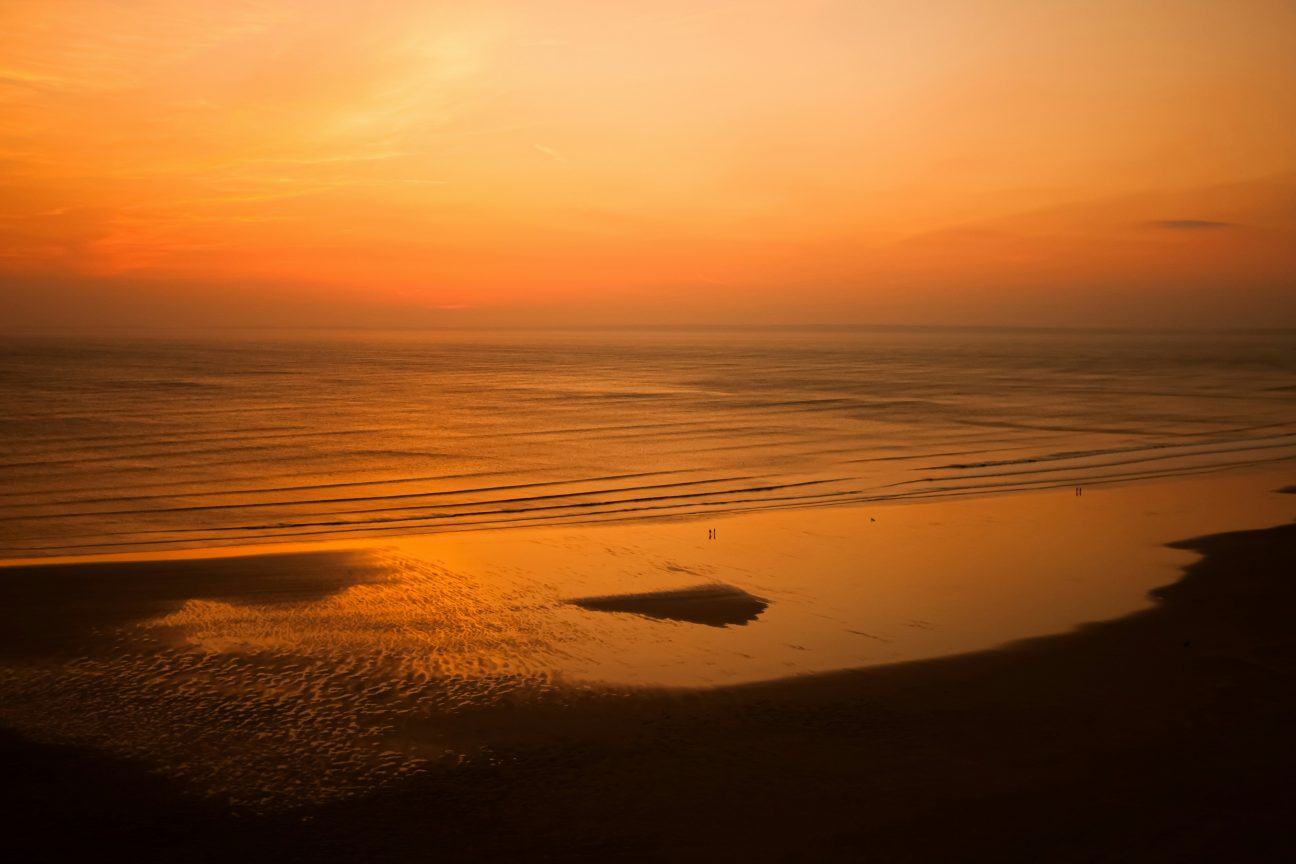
113, 445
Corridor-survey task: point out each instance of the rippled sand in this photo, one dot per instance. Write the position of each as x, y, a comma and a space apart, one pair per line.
274, 681
275, 703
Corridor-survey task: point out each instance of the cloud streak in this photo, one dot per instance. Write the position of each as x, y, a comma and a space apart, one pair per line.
1190, 224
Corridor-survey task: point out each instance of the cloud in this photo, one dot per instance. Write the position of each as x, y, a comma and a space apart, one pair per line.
550, 152
1190, 224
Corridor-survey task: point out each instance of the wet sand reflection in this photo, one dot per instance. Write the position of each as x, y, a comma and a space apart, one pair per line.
276, 681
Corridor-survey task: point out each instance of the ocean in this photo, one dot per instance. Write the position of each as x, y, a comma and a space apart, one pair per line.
148, 444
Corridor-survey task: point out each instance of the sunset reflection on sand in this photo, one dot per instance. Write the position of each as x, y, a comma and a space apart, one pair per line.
310, 676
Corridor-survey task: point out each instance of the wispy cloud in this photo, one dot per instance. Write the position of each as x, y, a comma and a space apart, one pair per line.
694, 13
1190, 224
550, 152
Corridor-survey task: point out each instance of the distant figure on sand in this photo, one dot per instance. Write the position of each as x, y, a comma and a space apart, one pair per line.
1077, 491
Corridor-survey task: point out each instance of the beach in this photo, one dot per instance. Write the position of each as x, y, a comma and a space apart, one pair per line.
1156, 735
786, 595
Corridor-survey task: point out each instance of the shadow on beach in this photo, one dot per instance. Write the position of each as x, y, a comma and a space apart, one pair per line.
712, 605
49, 609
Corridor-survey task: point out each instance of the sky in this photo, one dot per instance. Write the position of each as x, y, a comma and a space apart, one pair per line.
396, 163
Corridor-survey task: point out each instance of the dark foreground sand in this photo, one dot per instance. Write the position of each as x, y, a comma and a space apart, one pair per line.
1163, 736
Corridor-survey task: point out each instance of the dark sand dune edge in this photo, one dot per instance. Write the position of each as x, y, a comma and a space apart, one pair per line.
713, 605
37, 619
1163, 736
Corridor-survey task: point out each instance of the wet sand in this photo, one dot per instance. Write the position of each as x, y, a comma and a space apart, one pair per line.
1163, 736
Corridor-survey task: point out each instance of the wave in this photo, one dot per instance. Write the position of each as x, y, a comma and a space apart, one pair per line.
370, 438
720, 502
412, 495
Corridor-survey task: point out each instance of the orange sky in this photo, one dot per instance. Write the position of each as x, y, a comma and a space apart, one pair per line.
326, 161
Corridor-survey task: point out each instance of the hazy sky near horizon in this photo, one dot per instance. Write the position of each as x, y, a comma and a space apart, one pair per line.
321, 162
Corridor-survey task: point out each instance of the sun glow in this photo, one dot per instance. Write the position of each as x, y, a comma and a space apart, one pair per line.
511, 162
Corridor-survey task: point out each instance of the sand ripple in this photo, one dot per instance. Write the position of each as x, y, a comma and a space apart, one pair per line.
272, 706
